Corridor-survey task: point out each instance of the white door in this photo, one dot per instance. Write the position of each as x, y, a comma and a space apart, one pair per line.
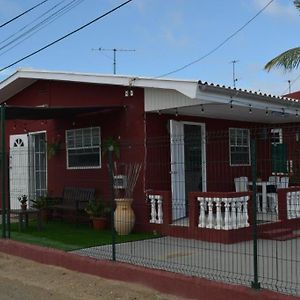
177, 170
18, 168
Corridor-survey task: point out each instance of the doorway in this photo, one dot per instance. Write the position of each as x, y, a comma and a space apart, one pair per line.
188, 164
27, 166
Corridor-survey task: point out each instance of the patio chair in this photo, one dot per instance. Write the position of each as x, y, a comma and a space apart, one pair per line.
284, 182
241, 184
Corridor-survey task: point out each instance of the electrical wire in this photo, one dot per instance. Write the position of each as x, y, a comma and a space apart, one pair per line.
22, 14
66, 35
32, 22
218, 46
30, 32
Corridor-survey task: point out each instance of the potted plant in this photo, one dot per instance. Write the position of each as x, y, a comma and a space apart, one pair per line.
41, 204
53, 148
98, 211
23, 200
124, 217
111, 144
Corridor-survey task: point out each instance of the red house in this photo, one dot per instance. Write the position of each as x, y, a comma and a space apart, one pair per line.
190, 136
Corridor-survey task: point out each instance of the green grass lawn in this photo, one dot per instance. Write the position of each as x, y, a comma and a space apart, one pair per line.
67, 237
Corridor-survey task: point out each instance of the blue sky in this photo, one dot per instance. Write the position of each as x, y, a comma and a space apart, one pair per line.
166, 35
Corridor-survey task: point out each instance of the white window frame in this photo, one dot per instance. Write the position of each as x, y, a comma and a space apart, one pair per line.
236, 145
84, 147
279, 132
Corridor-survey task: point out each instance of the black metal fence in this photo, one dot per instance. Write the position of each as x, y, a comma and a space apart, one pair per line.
218, 205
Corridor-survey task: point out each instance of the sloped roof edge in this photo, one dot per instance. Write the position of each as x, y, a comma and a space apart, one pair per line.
22, 78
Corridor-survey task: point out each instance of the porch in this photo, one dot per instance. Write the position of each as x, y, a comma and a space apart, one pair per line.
226, 217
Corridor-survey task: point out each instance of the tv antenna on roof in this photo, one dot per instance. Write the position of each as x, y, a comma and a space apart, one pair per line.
234, 79
290, 84
114, 50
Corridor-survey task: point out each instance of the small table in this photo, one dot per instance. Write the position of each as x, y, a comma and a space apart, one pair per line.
263, 185
23, 216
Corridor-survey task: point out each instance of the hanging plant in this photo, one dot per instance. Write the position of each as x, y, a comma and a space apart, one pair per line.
53, 148
111, 144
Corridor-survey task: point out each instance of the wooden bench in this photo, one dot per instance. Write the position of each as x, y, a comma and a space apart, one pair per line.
73, 200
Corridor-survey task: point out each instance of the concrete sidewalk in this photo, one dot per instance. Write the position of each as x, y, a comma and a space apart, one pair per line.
278, 261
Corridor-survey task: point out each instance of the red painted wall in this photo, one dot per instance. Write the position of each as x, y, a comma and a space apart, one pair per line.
220, 175
125, 124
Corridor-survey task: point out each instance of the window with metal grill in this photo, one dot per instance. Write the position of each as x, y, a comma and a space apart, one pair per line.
83, 148
239, 146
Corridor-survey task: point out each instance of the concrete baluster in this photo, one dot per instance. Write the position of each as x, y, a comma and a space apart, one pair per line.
159, 209
293, 205
245, 211
201, 222
297, 204
239, 217
153, 208
219, 215
233, 213
210, 218
227, 223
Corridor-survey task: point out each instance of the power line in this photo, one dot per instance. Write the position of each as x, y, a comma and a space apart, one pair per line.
22, 14
42, 24
65, 36
218, 46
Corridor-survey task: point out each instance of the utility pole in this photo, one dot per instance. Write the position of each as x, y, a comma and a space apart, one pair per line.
233, 72
114, 50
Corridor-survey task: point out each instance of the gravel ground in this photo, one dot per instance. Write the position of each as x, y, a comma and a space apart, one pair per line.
27, 280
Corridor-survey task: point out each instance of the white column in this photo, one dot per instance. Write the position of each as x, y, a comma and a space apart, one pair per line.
159, 209
245, 211
153, 208
202, 207
298, 204
293, 205
233, 213
239, 217
219, 215
227, 219
210, 218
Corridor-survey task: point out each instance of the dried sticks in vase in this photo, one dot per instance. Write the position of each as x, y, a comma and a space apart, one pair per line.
127, 177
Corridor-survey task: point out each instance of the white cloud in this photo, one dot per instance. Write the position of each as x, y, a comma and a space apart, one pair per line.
282, 9
173, 32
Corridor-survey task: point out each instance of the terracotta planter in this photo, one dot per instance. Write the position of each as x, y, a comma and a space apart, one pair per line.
23, 206
124, 216
99, 223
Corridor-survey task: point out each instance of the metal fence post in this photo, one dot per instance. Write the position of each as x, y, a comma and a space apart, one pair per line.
112, 216
255, 284
3, 170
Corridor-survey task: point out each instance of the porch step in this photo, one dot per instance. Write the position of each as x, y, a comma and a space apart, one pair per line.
281, 234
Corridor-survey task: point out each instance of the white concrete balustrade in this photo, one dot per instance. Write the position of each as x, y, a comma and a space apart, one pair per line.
293, 204
156, 209
223, 213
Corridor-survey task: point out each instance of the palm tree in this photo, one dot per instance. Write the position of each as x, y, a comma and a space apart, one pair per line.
289, 59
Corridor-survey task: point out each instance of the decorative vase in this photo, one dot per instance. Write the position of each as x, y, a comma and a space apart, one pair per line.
124, 216
23, 206
99, 223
